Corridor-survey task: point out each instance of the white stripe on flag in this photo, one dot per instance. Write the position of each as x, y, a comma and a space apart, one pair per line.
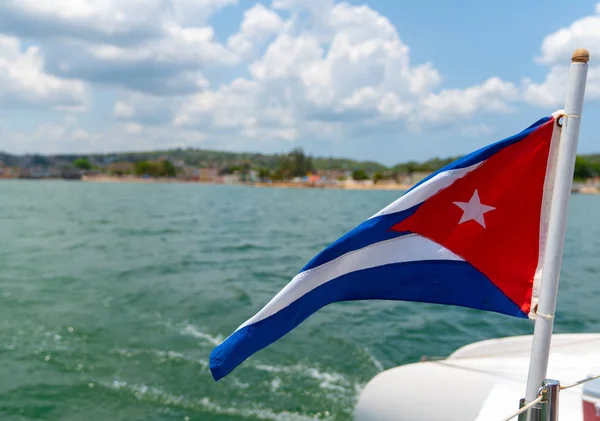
407, 248
426, 190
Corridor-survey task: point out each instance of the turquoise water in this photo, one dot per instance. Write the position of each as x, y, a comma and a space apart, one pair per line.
113, 295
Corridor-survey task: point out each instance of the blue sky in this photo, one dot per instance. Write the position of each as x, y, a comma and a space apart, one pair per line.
380, 80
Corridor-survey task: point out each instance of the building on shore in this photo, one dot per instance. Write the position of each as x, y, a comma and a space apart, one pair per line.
386, 182
6, 171
335, 175
121, 168
417, 176
208, 175
231, 178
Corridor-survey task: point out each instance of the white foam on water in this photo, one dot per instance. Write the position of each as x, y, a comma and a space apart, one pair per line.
146, 393
162, 356
124, 352
358, 387
327, 380
118, 384
273, 369
275, 384
191, 330
170, 355
378, 365
331, 381
262, 414
238, 384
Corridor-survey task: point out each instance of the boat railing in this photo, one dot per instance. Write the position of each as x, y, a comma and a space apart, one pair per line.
545, 406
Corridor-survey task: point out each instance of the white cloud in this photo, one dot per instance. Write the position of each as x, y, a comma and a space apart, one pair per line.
476, 129
556, 51
583, 33
70, 120
109, 21
193, 12
327, 64
122, 21
231, 106
123, 110
80, 134
312, 69
69, 137
146, 109
457, 104
53, 138
149, 46
171, 65
258, 25
133, 128
553, 90
24, 82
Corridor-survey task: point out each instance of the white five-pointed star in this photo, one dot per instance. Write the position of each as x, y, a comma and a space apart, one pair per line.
473, 210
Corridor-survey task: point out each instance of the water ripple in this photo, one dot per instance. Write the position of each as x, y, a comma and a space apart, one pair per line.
114, 295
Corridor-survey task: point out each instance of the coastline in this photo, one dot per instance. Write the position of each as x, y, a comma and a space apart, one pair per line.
340, 186
280, 185
586, 190
578, 188
129, 179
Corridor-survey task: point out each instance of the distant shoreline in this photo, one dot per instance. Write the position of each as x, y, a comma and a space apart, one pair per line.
341, 186
578, 188
281, 185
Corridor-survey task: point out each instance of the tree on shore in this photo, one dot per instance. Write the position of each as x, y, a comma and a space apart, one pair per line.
360, 175
163, 168
82, 164
168, 169
585, 169
277, 175
263, 174
295, 164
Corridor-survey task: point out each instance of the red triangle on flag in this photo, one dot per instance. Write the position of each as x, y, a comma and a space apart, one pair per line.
491, 216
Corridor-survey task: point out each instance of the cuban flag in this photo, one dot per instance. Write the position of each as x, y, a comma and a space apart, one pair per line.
471, 234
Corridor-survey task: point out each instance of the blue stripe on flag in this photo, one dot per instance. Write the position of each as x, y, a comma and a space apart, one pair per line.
438, 281
485, 152
369, 232
377, 229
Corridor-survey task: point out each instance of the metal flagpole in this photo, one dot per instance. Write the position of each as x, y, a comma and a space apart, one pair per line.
565, 164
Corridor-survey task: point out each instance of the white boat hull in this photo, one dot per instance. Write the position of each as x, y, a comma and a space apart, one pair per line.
481, 381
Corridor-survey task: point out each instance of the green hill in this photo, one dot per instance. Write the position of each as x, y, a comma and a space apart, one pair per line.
294, 163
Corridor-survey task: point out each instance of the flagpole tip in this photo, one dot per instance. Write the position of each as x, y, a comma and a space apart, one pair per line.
581, 55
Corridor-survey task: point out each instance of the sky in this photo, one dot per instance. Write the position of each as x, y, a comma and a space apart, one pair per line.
381, 80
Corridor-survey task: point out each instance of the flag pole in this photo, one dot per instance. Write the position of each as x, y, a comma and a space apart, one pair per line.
565, 163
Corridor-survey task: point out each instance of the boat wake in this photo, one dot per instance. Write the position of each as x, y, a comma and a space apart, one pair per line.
155, 395
191, 330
